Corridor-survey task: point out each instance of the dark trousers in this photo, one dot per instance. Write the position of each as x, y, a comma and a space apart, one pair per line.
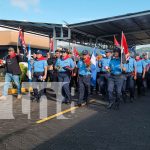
49, 76
74, 82
129, 85
148, 79
140, 84
115, 82
64, 78
103, 83
84, 88
37, 83
55, 76
97, 84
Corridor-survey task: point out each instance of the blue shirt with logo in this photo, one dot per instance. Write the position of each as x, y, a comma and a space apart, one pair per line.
131, 65
39, 65
83, 70
140, 65
115, 66
61, 64
104, 62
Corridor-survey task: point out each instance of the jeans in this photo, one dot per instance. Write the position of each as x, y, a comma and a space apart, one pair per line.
103, 83
129, 84
140, 84
8, 78
64, 78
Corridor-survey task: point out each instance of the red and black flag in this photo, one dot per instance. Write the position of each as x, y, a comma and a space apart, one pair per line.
21, 41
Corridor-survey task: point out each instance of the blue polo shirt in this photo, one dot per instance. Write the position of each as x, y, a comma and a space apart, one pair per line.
140, 65
104, 62
115, 66
146, 62
39, 65
61, 63
131, 65
82, 68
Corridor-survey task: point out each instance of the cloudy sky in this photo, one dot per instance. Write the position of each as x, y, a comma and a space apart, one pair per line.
72, 11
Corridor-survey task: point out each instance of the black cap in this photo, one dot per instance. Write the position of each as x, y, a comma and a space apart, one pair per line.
39, 52
64, 50
117, 50
84, 52
57, 51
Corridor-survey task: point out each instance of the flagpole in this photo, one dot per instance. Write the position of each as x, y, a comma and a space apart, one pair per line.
49, 44
116, 43
17, 48
69, 45
121, 48
73, 52
29, 63
18, 43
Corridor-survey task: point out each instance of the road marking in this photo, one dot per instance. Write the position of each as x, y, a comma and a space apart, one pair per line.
56, 115
60, 113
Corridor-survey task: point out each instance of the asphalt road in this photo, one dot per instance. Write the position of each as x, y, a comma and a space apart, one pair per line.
88, 128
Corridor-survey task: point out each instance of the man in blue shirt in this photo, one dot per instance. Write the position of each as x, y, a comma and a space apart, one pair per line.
141, 71
84, 79
147, 74
145, 59
116, 79
104, 73
39, 75
65, 66
130, 77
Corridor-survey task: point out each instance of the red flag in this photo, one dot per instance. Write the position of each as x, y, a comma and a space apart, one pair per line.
87, 60
1, 61
116, 43
124, 45
51, 44
75, 52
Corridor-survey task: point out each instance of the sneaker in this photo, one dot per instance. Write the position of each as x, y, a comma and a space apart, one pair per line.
19, 97
116, 106
131, 99
79, 105
3, 98
110, 105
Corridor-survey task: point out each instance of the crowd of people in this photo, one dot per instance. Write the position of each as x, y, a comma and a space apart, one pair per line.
116, 80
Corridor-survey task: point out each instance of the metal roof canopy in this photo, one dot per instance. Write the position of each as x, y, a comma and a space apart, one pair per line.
44, 29
47, 29
136, 27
